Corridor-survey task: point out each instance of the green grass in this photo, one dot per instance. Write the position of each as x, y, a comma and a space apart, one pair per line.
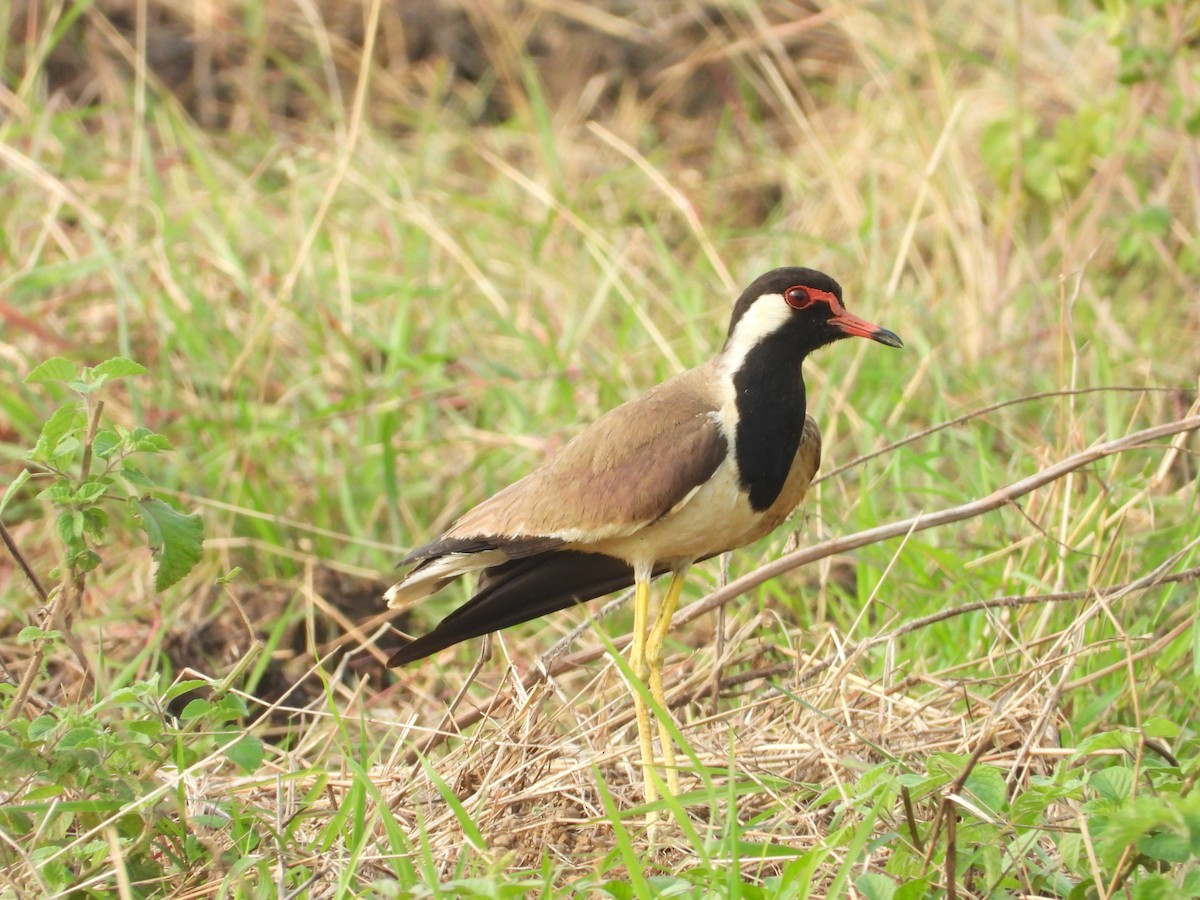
359, 320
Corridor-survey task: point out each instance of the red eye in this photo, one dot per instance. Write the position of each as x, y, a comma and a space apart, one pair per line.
798, 297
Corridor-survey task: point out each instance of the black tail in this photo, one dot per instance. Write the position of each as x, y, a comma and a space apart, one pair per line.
520, 590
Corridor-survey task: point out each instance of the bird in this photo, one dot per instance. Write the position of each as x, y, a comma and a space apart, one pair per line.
708, 461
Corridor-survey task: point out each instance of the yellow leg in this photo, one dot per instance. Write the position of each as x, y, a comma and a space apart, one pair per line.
637, 662
654, 656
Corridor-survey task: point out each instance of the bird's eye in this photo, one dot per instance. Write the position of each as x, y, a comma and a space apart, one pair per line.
798, 297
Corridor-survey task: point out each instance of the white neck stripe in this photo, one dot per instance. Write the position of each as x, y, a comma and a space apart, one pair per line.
766, 315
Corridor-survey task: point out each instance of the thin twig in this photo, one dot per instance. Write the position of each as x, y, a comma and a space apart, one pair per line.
983, 411
20, 560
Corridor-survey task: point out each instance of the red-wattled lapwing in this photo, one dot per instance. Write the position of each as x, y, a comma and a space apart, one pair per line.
708, 461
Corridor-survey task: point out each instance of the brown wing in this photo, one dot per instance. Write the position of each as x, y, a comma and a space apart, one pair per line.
626, 470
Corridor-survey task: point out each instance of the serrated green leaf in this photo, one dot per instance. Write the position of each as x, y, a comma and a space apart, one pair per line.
106, 443
145, 441
151, 728
1160, 727
57, 368
1130, 824
45, 792
875, 887
31, 633
1113, 783
63, 421
79, 736
247, 753
13, 488
1156, 887
914, 889
176, 540
1105, 740
59, 492
1167, 846
119, 367
1070, 850
195, 709
95, 522
41, 726
182, 687
85, 560
986, 785
86, 387
1191, 883
70, 527
136, 477
66, 449
91, 491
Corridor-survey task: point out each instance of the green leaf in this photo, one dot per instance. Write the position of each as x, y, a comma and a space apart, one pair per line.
58, 491
1106, 740
875, 887
107, 442
91, 491
145, 440
65, 420
40, 726
151, 729
1167, 846
56, 368
85, 560
79, 736
136, 477
182, 687
11, 491
70, 528
31, 633
1113, 783
1160, 727
1130, 824
986, 785
176, 540
86, 387
1156, 887
119, 367
247, 753
67, 448
195, 709
95, 522
915, 889
1191, 883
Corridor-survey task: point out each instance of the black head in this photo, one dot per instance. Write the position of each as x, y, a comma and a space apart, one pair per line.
803, 303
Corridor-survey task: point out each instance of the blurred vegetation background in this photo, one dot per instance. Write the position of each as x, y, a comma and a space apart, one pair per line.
379, 260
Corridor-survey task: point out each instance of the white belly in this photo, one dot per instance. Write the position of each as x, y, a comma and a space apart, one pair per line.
715, 518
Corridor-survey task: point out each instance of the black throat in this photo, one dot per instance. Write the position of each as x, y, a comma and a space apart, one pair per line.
770, 405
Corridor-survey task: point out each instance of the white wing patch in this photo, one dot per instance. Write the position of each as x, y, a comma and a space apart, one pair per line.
430, 578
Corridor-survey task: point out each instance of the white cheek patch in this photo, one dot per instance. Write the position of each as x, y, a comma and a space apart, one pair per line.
765, 316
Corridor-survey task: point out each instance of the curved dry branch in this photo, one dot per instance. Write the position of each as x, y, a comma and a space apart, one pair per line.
983, 411
923, 522
804, 556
